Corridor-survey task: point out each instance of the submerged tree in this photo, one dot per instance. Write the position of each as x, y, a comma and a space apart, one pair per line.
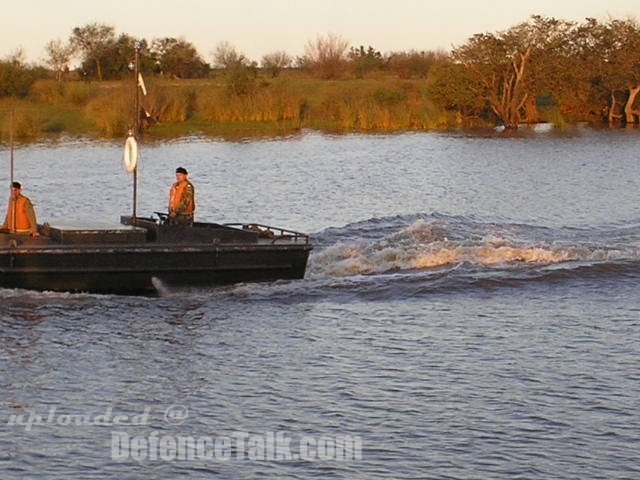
619, 42
499, 72
583, 70
510, 70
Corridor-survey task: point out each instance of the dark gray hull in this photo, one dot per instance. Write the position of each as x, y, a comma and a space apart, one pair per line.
81, 261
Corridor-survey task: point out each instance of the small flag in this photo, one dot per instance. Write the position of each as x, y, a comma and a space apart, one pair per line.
141, 84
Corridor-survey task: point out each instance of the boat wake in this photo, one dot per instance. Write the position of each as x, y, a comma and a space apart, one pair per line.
404, 256
443, 242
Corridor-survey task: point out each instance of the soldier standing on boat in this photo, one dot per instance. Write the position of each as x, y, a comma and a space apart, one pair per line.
182, 202
21, 217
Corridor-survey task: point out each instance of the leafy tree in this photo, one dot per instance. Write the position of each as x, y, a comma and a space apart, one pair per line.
510, 69
619, 44
578, 68
606, 58
498, 71
16, 77
116, 58
365, 61
92, 40
561, 67
241, 74
451, 86
274, 62
179, 58
551, 69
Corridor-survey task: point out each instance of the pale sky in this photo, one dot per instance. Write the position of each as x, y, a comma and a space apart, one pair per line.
258, 27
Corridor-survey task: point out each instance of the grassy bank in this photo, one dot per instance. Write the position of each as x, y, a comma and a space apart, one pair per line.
221, 107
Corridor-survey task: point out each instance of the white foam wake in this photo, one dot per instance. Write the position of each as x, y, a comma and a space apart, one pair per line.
425, 245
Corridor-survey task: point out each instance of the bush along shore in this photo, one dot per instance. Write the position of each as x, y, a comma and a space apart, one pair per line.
266, 107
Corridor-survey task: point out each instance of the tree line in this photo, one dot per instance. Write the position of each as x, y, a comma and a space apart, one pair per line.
587, 70
103, 55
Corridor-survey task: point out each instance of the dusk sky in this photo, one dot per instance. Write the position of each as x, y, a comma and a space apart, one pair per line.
257, 27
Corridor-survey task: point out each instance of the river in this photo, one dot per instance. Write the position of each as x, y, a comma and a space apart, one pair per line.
470, 310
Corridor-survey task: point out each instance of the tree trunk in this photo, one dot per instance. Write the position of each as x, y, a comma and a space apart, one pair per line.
629, 112
613, 116
98, 69
531, 110
508, 101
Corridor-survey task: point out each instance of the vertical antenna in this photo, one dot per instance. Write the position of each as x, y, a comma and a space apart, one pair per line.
13, 168
11, 128
136, 127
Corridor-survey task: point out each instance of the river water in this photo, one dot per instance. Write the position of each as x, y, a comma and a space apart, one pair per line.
471, 310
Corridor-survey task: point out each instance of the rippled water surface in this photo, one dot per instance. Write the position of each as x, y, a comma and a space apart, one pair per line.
470, 310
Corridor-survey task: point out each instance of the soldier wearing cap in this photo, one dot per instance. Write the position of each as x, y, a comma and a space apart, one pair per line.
21, 217
182, 202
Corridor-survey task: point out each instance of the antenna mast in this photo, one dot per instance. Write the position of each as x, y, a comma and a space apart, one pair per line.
136, 126
13, 168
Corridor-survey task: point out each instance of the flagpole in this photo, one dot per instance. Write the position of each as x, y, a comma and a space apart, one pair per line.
13, 162
136, 128
12, 224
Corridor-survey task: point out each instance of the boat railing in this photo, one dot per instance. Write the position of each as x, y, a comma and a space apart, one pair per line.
272, 233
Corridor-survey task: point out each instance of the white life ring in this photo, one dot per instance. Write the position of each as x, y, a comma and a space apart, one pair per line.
130, 154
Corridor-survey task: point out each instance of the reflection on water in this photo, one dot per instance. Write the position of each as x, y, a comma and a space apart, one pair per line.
470, 310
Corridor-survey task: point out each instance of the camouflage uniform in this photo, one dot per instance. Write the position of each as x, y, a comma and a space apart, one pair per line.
182, 203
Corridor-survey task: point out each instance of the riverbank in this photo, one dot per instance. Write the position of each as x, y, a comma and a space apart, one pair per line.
225, 107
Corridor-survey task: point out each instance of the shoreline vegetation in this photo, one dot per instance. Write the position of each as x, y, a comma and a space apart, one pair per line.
543, 70
181, 107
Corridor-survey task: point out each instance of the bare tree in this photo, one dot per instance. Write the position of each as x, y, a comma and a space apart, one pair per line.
327, 56
226, 56
17, 57
59, 55
274, 62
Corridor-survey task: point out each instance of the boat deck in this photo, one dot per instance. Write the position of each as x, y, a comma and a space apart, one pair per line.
147, 232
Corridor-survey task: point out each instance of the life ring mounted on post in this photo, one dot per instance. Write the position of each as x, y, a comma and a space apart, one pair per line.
130, 154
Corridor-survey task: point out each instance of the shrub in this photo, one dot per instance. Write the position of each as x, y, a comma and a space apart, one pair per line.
78, 93
48, 91
16, 78
266, 104
111, 114
170, 104
327, 57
